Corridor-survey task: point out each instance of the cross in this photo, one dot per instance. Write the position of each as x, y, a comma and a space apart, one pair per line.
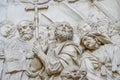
36, 10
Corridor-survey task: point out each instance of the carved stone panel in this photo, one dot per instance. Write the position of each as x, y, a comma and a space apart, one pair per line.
59, 40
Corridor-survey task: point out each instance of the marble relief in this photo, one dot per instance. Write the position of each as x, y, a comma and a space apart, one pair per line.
59, 40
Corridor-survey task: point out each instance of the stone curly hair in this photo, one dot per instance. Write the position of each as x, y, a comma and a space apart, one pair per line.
6, 22
64, 31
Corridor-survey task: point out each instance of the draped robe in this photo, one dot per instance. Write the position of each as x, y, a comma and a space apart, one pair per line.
20, 59
100, 63
61, 56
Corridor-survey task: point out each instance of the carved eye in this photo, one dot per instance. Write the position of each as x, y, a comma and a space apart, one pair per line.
84, 39
74, 71
24, 27
31, 27
20, 29
64, 28
7, 26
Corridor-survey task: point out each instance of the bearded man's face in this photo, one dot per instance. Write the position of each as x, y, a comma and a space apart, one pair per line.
26, 33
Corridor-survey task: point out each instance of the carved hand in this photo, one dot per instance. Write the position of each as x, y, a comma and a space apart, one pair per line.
31, 74
39, 52
36, 47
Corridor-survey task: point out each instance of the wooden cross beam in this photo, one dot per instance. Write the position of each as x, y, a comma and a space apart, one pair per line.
37, 6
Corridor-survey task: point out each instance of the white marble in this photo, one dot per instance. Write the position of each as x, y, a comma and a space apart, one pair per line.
59, 40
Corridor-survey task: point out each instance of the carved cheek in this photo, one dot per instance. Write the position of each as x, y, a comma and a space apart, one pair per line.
85, 43
21, 32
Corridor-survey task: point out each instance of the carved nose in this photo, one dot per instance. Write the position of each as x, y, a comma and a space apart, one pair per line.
28, 29
75, 74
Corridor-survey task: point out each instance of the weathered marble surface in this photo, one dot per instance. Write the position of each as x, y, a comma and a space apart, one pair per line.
59, 40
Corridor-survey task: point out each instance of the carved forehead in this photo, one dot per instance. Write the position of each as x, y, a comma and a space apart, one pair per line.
87, 37
27, 24
64, 26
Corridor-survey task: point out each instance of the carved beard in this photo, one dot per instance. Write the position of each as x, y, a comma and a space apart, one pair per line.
27, 37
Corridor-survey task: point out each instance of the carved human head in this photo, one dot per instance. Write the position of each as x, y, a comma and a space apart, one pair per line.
85, 27
114, 29
93, 41
102, 25
73, 73
25, 29
7, 29
64, 32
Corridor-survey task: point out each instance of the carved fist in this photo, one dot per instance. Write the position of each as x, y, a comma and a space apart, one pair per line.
29, 73
36, 47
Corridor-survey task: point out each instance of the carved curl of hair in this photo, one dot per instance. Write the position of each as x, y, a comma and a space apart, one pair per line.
6, 22
27, 23
64, 31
